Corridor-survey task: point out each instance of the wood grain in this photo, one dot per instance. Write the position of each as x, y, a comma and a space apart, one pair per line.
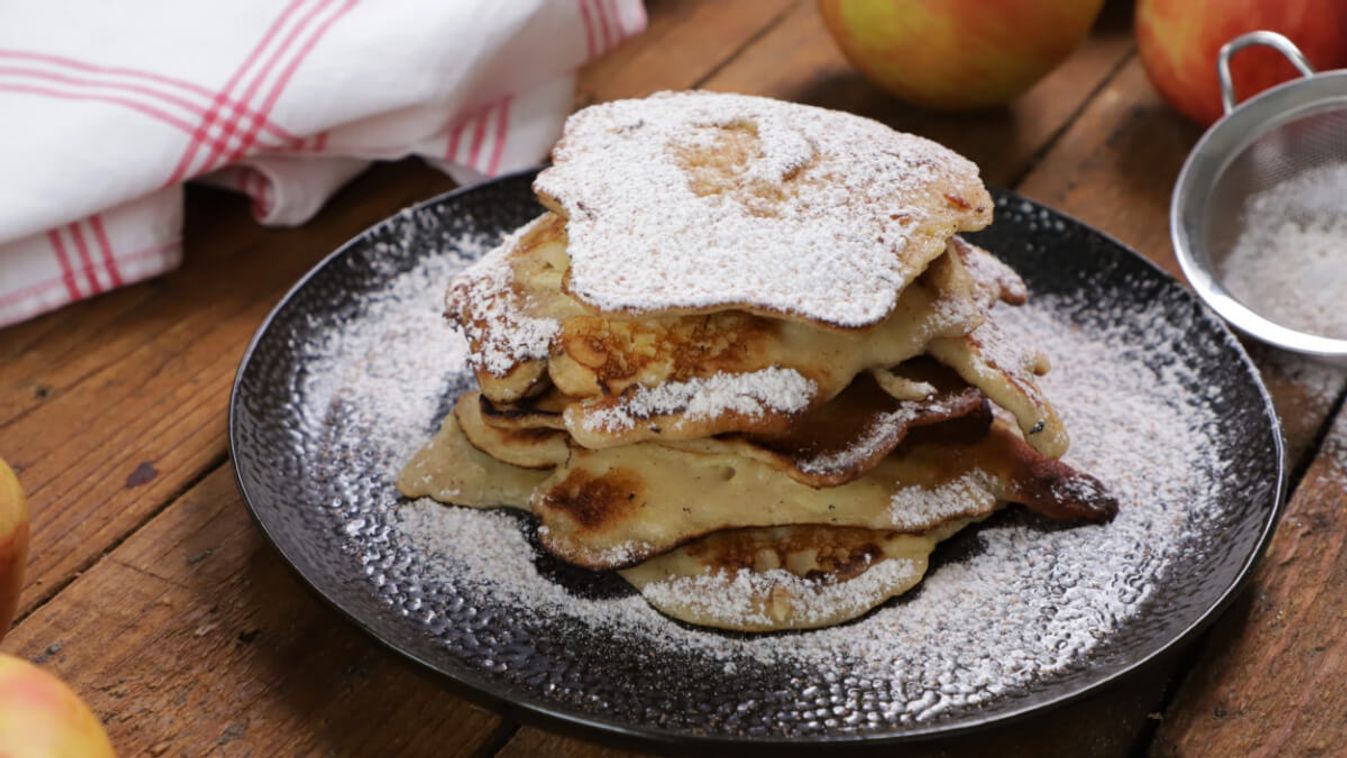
194, 635
1271, 680
134, 407
684, 43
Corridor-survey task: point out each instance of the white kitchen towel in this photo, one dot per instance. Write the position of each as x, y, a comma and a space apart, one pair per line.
106, 108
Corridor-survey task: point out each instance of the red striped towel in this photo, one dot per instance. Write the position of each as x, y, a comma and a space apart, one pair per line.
110, 106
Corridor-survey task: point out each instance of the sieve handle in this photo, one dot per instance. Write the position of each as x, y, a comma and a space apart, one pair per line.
1273, 40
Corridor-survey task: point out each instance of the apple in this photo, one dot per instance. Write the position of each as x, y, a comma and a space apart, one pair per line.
1178, 41
13, 543
958, 54
40, 717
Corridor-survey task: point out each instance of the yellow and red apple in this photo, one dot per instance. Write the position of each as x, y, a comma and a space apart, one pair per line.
958, 54
40, 717
1178, 41
13, 543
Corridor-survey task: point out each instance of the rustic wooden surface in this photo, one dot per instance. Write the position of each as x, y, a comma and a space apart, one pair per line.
152, 593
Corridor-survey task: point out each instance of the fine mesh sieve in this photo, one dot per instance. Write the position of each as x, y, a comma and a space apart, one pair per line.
1271, 138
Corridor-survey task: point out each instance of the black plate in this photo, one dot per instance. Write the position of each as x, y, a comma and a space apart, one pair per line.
315, 469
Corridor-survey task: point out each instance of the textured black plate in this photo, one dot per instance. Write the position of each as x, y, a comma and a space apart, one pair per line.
321, 490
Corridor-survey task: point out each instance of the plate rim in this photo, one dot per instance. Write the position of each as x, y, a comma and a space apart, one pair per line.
527, 708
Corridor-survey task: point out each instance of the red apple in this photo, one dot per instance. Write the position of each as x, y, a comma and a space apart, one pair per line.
958, 54
1179, 39
13, 543
40, 717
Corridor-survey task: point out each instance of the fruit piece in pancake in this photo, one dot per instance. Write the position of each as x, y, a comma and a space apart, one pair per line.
989, 359
786, 577
449, 469
537, 448
615, 507
697, 202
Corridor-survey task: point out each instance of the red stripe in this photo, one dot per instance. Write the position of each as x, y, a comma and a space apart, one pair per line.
502, 126
258, 183
94, 285
83, 66
603, 24
147, 75
454, 137
199, 135
57, 281
29, 291
289, 70
67, 273
320, 142
589, 28
478, 136
37, 73
96, 224
231, 126
619, 26
148, 110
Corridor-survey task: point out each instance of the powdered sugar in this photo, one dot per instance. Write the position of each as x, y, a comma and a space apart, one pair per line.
1289, 263
813, 222
501, 330
742, 595
914, 507
750, 394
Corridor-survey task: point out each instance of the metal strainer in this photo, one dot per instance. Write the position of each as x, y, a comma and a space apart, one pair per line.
1273, 137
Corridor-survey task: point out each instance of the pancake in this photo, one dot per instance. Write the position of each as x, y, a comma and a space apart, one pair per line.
700, 202
615, 507
538, 448
449, 469
789, 577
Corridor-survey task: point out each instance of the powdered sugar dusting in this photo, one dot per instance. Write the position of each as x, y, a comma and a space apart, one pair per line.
750, 394
501, 330
914, 508
1289, 263
816, 220
740, 596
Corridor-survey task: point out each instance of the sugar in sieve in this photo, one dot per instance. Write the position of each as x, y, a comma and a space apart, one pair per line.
1258, 147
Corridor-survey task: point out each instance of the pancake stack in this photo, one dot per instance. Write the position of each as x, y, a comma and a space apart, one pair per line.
744, 359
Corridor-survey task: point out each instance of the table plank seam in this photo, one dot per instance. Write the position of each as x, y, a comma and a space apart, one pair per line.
1043, 150
58, 587
500, 736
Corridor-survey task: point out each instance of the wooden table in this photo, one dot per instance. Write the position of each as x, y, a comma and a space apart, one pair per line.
152, 593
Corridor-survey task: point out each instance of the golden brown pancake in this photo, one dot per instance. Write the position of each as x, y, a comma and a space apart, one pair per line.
786, 577
449, 469
538, 448
618, 506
